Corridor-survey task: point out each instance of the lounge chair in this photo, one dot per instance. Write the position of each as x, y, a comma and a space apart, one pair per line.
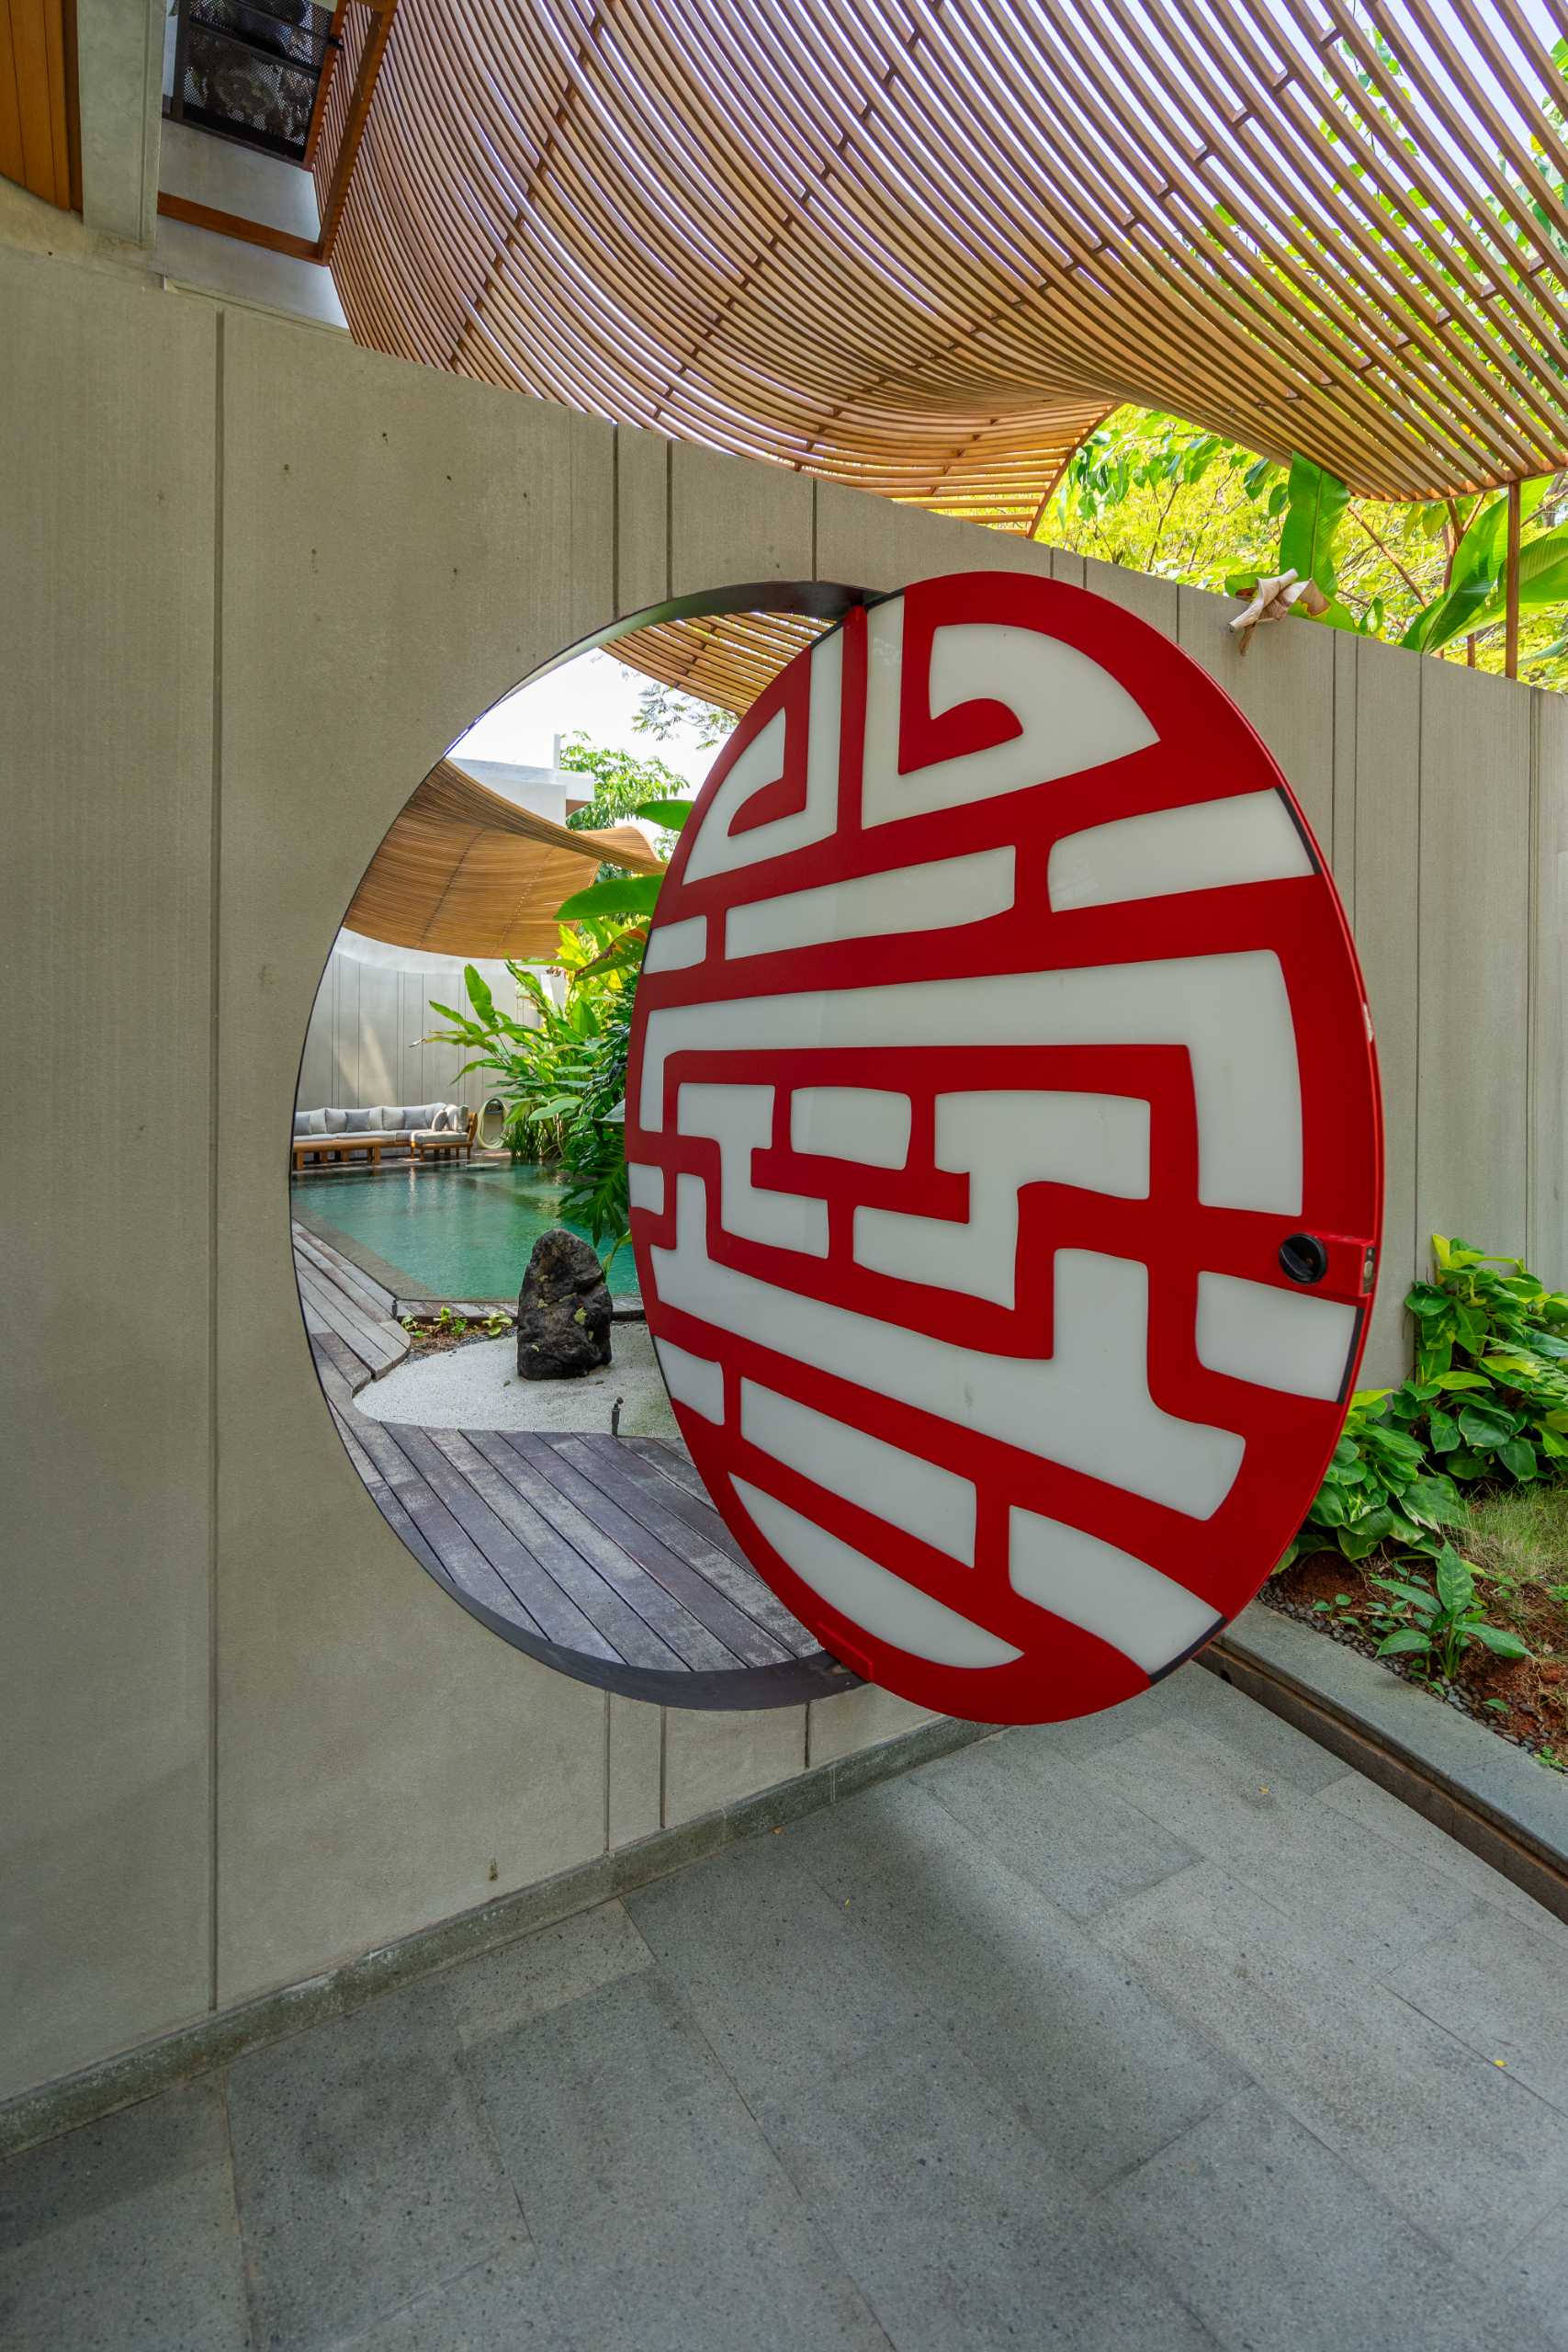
343, 1135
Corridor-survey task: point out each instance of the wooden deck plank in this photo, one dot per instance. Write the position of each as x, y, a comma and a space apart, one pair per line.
676, 1465
351, 1365
375, 1343
337, 1388
333, 1300
346, 1269
386, 1503
739, 1633
465, 1564
691, 1529
559, 1619
578, 1585
375, 1297
699, 1649
362, 1304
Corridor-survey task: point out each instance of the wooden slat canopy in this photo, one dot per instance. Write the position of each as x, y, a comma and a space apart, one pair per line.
726, 657
463, 871
922, 245
39, 139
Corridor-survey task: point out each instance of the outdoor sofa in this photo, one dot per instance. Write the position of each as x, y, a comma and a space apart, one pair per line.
426, 1130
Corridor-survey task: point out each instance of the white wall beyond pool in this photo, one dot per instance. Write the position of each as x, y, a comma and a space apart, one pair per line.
369, 1042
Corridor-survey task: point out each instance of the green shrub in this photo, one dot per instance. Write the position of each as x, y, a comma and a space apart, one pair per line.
1488, 1401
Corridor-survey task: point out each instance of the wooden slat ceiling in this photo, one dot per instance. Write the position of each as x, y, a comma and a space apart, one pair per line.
37, 100
726, 658
463, 871
920, 245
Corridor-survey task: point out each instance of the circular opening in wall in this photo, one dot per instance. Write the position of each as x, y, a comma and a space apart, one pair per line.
460, 1098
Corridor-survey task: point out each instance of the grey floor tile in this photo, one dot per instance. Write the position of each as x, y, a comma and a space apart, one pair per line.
496, 2307
1531, 2278
123, 2236
1261, 1745
1375, 1900
1280, 2246
1464, 2151
959, 2226
541, 1972
774, 1970
1174, 1700
364, 2169
1057, 1824
1104, 2071
660, 2215
1360, 1799
1503, 1987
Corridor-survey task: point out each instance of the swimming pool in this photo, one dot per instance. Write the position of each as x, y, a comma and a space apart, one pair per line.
451, 1232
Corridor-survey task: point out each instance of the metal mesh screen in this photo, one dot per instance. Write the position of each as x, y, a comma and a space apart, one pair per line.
252, 70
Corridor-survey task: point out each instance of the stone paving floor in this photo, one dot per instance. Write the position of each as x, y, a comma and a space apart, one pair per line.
1158, 2031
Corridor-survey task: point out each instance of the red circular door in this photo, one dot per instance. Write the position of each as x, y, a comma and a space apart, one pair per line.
1003, 1126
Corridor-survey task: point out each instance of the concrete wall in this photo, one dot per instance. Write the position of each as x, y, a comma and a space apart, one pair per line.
365, 1042
248, 1735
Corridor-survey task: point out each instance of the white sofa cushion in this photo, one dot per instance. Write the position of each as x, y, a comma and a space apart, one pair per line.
301, 1123
315, 1123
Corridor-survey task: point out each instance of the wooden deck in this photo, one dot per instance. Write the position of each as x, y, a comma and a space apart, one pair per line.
600, 1555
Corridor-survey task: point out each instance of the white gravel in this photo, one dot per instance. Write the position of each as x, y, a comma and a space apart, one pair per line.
476, 1387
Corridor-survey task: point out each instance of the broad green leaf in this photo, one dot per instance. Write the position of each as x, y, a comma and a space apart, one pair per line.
1329, 1509
1477, 569
1464, 1463
1445, 1432
1434, 1497
1456, 1585
1500, 1641
626, 894
1419, 1598
1363, 1535
1483, 1425
1426, 1301
671, 814
480, 996
1519, 1456
1315, 508
1461, 1380
1407, 1639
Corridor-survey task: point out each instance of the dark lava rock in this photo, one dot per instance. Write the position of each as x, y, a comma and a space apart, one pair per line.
563, 1310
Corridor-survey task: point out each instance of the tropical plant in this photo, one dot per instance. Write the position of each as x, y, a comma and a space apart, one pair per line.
1151, 492
1440, 1626
1487, 1402
1470, 598
562, 1073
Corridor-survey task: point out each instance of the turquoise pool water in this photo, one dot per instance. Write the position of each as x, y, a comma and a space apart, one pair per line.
456, 1232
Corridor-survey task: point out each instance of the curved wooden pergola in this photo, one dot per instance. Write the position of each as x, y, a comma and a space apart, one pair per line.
923, 246
462, 872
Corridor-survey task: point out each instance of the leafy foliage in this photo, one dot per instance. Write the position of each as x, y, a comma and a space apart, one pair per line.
1487, 1403
565, 1073
663, 710
623, 784
1150, 491
1440, 1626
